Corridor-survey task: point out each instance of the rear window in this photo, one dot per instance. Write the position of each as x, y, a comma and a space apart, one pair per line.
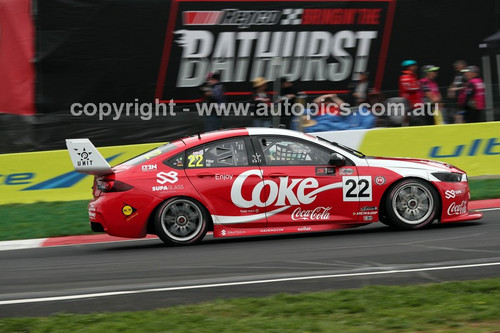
150, 154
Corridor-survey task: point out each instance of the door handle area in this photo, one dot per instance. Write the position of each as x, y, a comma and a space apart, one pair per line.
205, 174
277, 174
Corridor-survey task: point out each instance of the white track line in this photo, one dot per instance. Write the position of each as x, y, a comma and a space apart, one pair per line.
240, 283
487, 209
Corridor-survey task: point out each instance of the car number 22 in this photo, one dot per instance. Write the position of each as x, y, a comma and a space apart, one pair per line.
357, 188
195, 161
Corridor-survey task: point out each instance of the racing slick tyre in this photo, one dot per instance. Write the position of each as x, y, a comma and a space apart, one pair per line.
181, 221
412, 204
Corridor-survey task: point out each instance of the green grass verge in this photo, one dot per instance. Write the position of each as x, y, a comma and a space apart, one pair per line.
471, 306
484, 188
44, 219
48, 219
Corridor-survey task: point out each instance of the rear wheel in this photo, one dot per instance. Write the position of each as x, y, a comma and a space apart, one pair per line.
412, 204
181, 221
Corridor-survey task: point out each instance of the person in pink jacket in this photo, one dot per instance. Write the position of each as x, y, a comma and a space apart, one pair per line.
432, 95
472, 97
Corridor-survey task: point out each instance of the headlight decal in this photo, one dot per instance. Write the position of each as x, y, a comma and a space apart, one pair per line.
449, 177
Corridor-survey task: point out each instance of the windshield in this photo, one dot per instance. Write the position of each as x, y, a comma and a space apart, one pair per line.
150, 154
348, 149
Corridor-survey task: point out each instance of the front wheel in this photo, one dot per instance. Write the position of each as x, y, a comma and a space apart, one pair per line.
181, 221
412, 204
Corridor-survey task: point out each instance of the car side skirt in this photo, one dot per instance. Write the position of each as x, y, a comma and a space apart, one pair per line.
225, 231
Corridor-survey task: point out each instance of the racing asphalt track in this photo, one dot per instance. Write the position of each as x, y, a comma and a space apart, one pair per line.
145, 274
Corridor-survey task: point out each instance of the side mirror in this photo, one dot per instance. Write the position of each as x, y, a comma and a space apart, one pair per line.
337, 160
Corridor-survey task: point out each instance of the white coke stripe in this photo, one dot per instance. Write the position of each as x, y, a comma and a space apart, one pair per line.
240, 283
21, 244
221, 219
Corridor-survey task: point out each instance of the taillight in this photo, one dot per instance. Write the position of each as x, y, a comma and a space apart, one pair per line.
110, 185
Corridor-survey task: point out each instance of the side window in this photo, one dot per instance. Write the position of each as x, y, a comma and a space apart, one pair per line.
226, 153
289, 151
176, 162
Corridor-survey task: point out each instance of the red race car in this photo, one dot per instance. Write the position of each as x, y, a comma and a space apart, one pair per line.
259, 181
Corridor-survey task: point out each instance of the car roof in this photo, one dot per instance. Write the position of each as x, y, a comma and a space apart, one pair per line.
196, 139
201, 138
279, 131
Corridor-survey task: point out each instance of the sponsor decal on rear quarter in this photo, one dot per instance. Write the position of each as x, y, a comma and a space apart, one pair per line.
167, 177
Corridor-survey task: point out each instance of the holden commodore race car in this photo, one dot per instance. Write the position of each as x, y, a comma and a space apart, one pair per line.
259, 181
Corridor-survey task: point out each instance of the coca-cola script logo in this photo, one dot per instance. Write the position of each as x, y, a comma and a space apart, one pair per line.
279, 194
457, 209
316, 214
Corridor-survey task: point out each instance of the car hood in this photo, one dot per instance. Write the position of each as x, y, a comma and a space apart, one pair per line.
414, 163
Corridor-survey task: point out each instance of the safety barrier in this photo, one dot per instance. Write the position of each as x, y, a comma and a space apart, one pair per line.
474, 148
49, 176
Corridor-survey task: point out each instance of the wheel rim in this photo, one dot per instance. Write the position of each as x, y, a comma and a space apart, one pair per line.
413, 203
182, 220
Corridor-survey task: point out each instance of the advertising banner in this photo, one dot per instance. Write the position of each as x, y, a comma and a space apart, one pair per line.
321, 44
474, 148
93, 53
49, 176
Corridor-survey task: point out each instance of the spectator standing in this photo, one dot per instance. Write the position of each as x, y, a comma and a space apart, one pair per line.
288, 98
409, 88
458, 80
213, 92
262, 101
455, 88
359, 88
432, 95
472, 97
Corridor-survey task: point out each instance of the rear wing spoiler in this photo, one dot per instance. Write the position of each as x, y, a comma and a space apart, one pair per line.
86, 158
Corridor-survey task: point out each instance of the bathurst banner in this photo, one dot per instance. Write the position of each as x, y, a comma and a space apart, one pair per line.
136, 51
321, 44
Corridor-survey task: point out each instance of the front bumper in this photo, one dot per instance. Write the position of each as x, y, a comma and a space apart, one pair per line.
455, 198
470, 216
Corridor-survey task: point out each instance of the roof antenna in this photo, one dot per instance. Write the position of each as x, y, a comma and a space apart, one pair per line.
199, 136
